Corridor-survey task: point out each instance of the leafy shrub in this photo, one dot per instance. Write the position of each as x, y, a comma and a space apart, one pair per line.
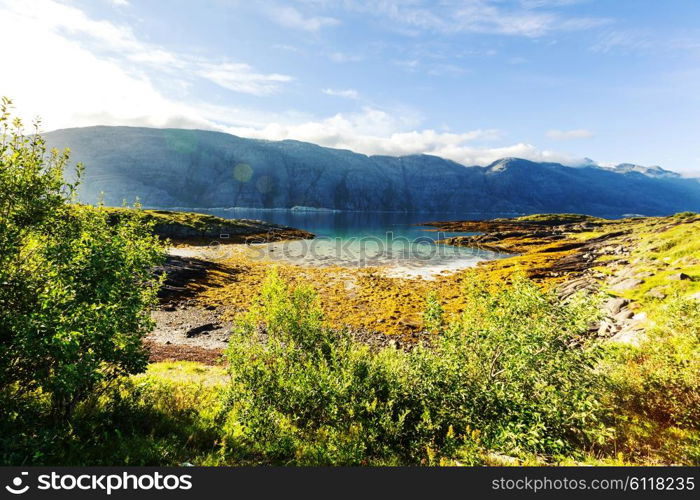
75, 290
655, 386
530, 379
507, 376
144, 420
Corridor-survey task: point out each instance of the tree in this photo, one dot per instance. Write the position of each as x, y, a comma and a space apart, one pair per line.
76, 288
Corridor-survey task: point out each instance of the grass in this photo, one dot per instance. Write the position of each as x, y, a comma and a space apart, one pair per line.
186, 372
192, 220
558, 218
166, 416
664, 248
314, 397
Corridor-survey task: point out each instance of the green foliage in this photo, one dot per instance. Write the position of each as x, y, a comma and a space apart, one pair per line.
510, 375
172, 219
434, 315
530, 370
656, 386
75, 290
144, 420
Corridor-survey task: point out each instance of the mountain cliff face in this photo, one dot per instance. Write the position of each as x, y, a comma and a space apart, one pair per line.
194, 168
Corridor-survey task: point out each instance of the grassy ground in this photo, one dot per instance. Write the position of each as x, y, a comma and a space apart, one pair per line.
367, 299
196, 228
647, 396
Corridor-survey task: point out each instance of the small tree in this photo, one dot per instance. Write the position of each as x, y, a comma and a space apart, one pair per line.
75, 288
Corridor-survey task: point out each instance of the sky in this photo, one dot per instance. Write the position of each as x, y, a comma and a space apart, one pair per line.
470, 80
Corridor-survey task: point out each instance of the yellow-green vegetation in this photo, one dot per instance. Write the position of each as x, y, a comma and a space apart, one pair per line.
501, 370
168, 415
558, 218
197, 228
514, 380
654, 388
666, 257
504, 377
189, 372
187, 219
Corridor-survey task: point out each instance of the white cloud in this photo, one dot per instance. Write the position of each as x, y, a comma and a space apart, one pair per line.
241, 78
341, 57
52, 20
292, 18
120, 3
347, 93
63, 74
478, 16
563, 135
374, 131
641, 41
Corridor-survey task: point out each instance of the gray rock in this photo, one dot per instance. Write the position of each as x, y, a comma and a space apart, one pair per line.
615, 305
640, 317
628, 337
605, 329
623, 274
623, 315
679, 277
656, 293
626, 284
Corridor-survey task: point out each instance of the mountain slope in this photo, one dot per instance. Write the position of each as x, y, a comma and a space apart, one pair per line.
194, 168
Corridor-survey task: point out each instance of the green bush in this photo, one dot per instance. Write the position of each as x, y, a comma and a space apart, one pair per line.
655, 387
511, 375
144, 420
75, 290
530, 368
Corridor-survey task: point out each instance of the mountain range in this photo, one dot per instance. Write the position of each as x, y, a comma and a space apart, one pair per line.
196, 168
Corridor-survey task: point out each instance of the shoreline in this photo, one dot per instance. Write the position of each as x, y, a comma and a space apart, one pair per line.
563, 255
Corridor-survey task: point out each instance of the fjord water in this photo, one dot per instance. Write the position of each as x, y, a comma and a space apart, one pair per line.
355, 239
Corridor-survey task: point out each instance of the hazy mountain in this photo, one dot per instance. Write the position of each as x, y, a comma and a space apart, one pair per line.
193, 168
653, 171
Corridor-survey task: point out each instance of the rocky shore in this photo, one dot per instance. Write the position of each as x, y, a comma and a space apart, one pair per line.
626, 262
580, 253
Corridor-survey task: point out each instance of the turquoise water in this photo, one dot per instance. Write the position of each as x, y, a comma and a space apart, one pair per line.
367, 239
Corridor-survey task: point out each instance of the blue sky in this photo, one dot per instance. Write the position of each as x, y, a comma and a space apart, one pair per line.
471, 80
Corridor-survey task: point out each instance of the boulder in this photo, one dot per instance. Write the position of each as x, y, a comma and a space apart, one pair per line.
193, 332
615, 305
623, 315
656, 293
626, 284
628, 337
605, 329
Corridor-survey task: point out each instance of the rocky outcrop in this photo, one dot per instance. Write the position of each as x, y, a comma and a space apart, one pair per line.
203, 228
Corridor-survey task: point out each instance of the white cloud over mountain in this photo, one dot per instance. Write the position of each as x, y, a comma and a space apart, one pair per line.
87, 72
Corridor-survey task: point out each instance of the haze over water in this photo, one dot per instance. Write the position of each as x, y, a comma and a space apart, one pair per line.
358, 239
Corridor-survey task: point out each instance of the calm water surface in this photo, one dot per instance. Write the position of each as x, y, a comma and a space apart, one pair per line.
367, 239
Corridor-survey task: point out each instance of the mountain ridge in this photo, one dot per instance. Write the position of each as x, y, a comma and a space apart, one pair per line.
200, 168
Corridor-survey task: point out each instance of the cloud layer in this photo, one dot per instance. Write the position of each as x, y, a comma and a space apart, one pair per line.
86, 71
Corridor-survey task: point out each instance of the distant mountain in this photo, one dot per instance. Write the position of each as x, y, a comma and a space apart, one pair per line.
654, 171
195, 168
